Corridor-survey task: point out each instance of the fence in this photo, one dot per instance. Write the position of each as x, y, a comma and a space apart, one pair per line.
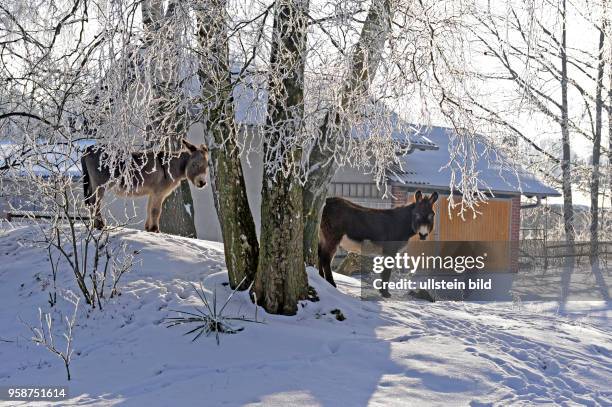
536, 250
32, 215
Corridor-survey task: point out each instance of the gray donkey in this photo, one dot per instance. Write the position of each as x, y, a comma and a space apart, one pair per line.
156, 178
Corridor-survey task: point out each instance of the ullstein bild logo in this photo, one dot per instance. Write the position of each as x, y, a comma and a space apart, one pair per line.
433, 284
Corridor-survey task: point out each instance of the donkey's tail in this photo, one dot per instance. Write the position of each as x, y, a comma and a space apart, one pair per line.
87, 192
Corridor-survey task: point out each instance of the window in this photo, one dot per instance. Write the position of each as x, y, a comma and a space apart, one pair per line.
361, 193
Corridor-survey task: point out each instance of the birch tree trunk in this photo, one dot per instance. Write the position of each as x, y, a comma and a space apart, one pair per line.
315, 192
281, 279
364, 63
609, 25
178, 215
595, 174
568, 208
226, 175
610, 129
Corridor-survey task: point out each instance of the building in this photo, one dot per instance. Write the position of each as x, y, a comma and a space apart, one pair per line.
426, 170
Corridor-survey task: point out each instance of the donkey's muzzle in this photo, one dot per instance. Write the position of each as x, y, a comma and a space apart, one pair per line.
423, 236
201, 184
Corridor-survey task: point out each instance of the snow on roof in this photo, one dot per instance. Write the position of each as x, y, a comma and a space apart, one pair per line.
423, 165
250, 100
427, 170
250, 106
50, 158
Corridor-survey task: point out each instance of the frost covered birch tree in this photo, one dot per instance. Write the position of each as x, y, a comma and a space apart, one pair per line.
281, 279
597, 136
227, 179
557, 77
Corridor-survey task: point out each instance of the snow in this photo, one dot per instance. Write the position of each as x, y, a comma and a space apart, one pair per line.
431, 170
250, 105
62, 158
385, 353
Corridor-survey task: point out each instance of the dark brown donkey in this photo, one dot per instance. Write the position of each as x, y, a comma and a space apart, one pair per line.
153, 176
348, 225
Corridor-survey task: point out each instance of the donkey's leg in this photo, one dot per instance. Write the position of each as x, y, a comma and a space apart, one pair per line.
328, 270
388, 250
320, 256
155, 204
327, 247
149, 219
328, 251
325, 258
98, 196
385, 275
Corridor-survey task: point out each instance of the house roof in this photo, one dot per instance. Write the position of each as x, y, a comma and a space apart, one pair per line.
428, 170
250, 100
49, 158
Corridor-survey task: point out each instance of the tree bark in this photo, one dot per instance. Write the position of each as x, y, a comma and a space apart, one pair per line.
178, 217
610, 128
609, 186
315, 192
364, 64
595, 174
178, 212
227, 178
281, 279
568, 208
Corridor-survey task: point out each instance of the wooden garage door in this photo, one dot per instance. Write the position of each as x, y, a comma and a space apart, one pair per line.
492, 224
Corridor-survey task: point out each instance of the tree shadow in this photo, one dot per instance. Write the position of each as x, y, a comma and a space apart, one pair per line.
600, 280
571, 290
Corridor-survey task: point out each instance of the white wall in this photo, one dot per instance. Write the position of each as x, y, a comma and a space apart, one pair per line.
207, 225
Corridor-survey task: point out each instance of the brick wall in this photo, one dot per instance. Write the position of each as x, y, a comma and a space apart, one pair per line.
399, 196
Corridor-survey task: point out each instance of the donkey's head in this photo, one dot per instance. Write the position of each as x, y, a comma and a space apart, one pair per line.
423, 214
197, 164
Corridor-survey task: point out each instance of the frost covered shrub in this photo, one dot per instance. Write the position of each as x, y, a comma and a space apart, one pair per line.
46, 193
44, 333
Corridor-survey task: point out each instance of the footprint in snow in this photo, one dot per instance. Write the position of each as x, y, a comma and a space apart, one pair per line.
405, 338
333, 347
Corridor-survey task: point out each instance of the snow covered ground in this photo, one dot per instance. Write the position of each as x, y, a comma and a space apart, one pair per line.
384, 353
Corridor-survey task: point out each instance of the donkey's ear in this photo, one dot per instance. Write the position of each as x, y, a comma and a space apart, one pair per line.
433, 198
418, 195
190, 146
